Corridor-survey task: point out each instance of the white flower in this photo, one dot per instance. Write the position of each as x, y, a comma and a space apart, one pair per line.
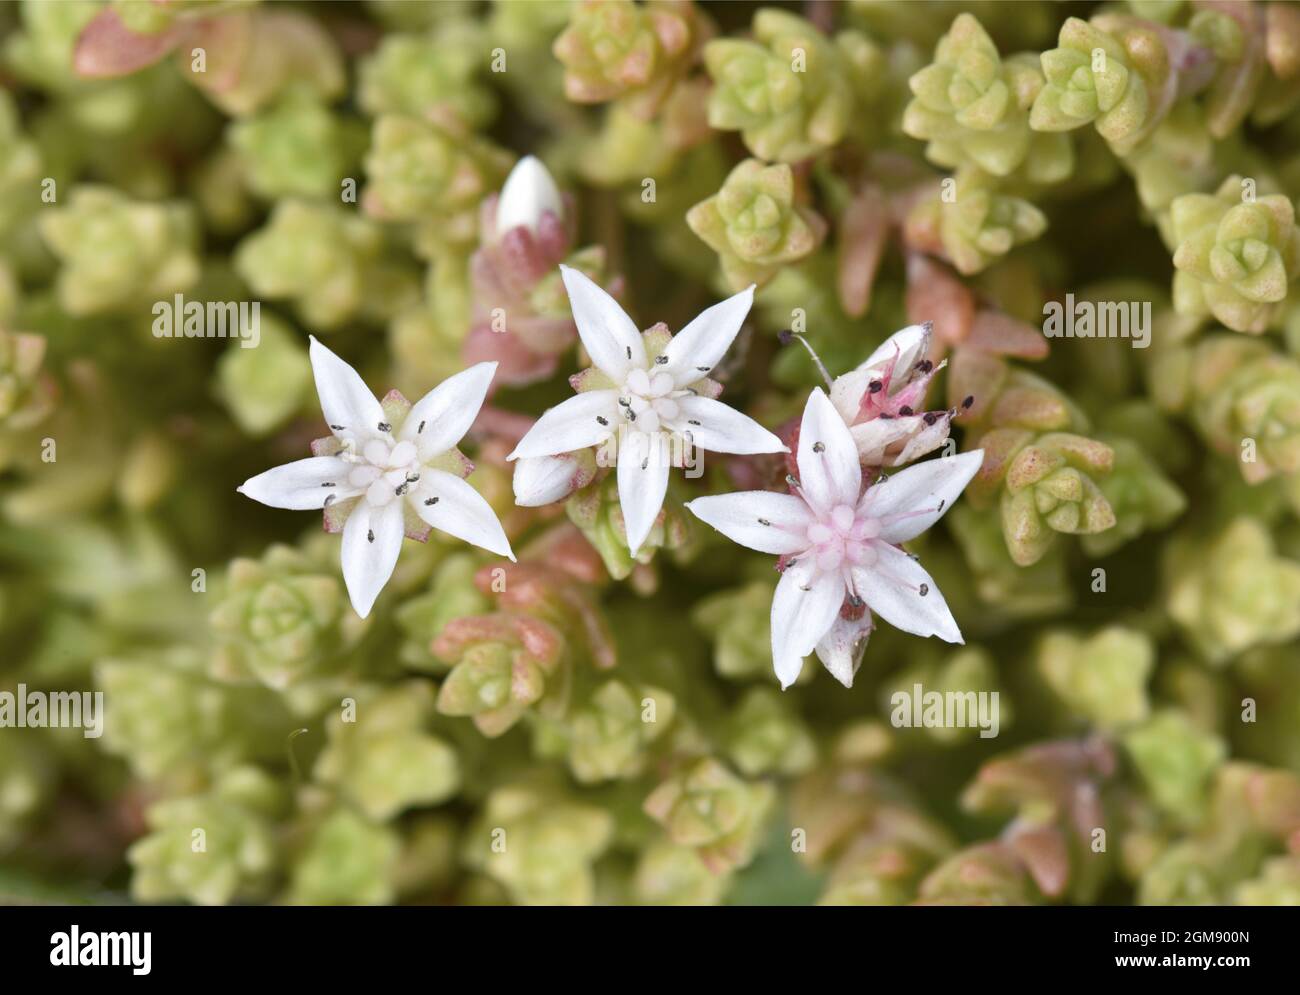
839, 545
882, 400
645, 401
388, 470
529, 192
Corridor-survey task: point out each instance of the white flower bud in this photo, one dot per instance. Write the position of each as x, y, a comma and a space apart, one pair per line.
529, 192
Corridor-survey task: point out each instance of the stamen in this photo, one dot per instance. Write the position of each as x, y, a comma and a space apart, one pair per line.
337, 428
970, 399
661, 360
431, 502
817, 361
875, 387
601, 420
329, 483
385, 426
370, 535
764, 521
420, 429
819, 447
905, 411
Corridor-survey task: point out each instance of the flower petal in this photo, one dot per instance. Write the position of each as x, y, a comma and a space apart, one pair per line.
841, 649
720, 428
441, 417
302, 485
643, 464
804, 608
694, 351
543, 480
372, 540
901, 351
762, 520
570, 425
345, 400
828, 459
610, 337
910, 501
892, 589
451, 505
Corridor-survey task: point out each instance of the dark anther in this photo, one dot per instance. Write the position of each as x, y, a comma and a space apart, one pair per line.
905, 410
942, 502
819, 447
629, 352
929, 418
764, 521
370, 535
385, 427
430, 502
785, 336
661, 360
420, 429
601, 420
337, 428
692, 422
925, 366
970, 399
875, 387
645, 462
703, 369
328, 483
925, 589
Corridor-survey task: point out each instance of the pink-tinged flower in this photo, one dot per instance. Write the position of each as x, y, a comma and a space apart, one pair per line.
838, 542
881, 401
649, 401
388, 470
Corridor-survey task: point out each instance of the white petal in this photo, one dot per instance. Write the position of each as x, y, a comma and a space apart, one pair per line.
372, 540
528, 193
741, 516
892, 589
346, 401
542, 480
643, 464
696, 349
841, 649
804, 608
912, 500
828, 459
723, 429
874, 437
907, 345
847, 391
459, 510
441, 417
300, 485
610, 337
570, 425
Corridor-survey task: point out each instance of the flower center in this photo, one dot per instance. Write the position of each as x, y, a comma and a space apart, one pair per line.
843, 535
384, 470
646, 400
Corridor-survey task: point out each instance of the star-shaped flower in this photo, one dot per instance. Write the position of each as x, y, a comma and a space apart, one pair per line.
837, 538
649, 399
388, 470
